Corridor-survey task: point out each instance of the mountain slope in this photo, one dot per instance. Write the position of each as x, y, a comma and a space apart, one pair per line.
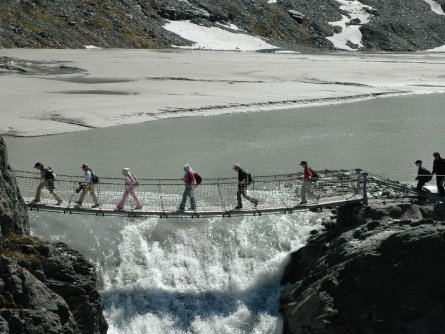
400, 25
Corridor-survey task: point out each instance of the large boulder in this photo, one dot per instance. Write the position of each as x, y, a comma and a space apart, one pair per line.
383, 276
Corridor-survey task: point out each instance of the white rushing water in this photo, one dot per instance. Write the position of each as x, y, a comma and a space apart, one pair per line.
210, 276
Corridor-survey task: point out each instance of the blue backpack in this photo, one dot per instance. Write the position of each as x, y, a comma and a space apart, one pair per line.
94, 177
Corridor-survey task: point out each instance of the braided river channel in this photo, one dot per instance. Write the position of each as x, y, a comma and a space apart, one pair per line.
220, 275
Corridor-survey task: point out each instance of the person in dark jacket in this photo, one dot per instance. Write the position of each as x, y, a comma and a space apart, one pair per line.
439, 170
423, 176
243, 182
46, 181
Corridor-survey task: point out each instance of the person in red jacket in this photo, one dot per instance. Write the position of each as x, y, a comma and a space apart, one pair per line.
190, 182
306, 188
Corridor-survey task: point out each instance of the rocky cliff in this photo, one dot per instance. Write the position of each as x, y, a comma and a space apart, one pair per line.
13, 216
44, 287
379, 270
401, 25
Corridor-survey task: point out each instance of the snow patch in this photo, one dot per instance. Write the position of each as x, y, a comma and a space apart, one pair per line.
271, 1
350, 34
213, 38
230, 26
91, 47
438, 49
435, 7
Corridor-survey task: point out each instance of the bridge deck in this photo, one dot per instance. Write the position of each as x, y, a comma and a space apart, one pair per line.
214, 197
146, 212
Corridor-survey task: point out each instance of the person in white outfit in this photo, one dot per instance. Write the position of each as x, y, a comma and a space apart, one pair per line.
131, 183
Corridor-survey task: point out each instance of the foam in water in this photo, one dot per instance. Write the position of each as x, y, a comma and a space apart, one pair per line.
202, 276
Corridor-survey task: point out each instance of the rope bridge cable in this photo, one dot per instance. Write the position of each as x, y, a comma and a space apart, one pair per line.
214, 197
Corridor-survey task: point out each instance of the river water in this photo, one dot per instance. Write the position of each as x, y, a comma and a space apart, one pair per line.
220, 275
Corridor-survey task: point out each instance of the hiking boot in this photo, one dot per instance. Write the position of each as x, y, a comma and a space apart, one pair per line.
255, 203
34, 201
96, 206
138, 207
191, 209
238, 207
302, 203
79, 203
117, 209
59, 202
180, 210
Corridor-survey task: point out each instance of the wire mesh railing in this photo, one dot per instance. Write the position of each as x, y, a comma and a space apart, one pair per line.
213, 196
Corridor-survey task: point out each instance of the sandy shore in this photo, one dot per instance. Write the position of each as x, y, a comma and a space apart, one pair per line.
70, 90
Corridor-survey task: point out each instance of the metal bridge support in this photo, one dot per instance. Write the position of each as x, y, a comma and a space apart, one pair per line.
365, 188
358, 173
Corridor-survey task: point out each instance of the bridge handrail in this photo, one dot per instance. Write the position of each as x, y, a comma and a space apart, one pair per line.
276, 193
179, 181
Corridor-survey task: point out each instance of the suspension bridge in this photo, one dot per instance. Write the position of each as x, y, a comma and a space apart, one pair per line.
277, 194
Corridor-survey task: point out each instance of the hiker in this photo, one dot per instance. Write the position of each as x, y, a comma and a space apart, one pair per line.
243, 182
190, 182
47, 177
423, 176
87, 186
131, 182
306, 188
439, 170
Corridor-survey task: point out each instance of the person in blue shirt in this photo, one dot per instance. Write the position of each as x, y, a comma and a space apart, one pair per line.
87, 186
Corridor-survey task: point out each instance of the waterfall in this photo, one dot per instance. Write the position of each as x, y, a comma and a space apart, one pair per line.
217, 275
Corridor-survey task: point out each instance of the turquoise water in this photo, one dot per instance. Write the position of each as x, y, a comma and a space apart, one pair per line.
384, 136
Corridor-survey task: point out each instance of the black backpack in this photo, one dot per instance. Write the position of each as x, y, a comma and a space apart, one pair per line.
49, 174
249, 178
427, 176
198, 178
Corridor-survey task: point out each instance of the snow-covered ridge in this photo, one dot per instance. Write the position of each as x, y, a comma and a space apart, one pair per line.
435, 7
214, 38
350, 37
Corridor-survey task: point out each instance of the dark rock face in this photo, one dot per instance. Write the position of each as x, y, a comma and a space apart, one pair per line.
47, 288
44, 287
413, 26
383, 276
13, 215
400, 25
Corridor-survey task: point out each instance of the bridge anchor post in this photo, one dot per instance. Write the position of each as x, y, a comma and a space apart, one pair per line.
365, 188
